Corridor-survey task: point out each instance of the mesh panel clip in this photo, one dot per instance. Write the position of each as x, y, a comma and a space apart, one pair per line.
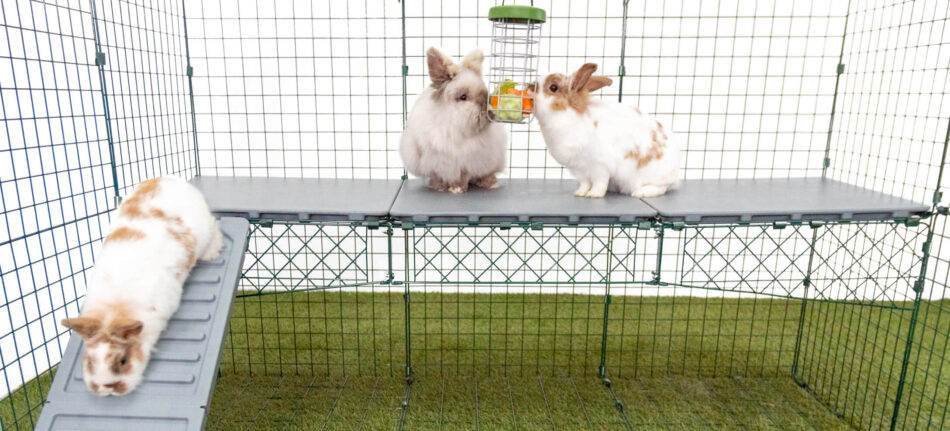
190, 71
840, 68
100, 59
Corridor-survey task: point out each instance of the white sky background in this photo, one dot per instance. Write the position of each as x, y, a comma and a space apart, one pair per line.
301, 89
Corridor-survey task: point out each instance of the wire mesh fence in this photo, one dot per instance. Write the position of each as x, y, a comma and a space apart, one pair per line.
99, 95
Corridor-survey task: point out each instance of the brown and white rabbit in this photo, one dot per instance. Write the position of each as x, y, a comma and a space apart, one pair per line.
604, 144
449, 139
136, 282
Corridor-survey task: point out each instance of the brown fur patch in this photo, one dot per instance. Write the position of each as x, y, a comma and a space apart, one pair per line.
123, 233
595, 123
187, 240
86, 326
560, 101
134, 205
118, 387
579, 99
656, 150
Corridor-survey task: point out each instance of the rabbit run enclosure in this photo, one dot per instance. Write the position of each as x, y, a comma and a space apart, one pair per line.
797, 279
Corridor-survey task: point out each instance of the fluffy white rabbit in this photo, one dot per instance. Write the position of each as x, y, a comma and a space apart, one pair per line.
605, 145
449, 139
136, 282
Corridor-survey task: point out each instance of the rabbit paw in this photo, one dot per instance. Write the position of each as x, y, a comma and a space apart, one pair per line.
582, 189
595, 194
458, 188
649, 191
489, 182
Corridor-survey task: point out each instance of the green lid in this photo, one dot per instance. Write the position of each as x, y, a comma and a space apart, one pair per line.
518, 13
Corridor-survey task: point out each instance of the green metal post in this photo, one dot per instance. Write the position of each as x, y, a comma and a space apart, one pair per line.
101, 66
623, 54
191, 88
909, 345
602, 368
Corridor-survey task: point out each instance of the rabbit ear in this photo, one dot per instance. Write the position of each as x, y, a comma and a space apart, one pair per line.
441, 68
597, 82
583, 75
473, 61
86, 327
125, 328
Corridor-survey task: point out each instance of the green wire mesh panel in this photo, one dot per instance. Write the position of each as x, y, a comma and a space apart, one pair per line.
517, 299
296, 89
93, 101
315, 299
890, 133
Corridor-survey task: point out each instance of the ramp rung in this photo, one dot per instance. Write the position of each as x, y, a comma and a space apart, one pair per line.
180, 378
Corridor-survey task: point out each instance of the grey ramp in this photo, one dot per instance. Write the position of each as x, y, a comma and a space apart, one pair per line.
315, 199
516, 200
180, 377
767, 200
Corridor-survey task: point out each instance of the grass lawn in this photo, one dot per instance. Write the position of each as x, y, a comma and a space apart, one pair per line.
332, 360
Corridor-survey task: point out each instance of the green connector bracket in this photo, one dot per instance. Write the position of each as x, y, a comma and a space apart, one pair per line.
826, 162
912, 222
644, 225
405, 70
840, 68
679, 225
938, 196
601, 371
536, 225
816, 223
397, 283
404, 177
372, 225
919, 285
190, 71
926, 248
779, 224
608, 299
405, 297
100, 59
943, 211
622, 71
408, 225
806, 282
505, 225
266, 222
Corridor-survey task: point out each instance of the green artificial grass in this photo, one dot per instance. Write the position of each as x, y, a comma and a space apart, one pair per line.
336, 360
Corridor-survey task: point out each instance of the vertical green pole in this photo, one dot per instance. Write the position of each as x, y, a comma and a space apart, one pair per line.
101, 66
602, 368
405, 74
909, 345
405, 98
623, 54
191, 89
825, 163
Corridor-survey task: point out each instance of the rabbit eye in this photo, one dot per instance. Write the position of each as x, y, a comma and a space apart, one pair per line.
553, 88
122, 361
463, 97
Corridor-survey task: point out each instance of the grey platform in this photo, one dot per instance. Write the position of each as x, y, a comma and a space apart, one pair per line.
797, 199
292, 199
550, 201
181, 374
